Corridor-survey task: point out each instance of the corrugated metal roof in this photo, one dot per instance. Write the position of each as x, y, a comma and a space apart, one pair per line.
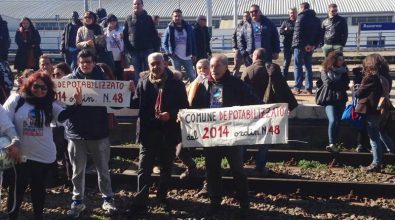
47, 9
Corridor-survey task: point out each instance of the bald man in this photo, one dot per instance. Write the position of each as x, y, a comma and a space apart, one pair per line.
224, 90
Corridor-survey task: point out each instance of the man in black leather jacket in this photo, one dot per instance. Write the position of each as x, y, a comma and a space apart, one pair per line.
335, 31
287, 30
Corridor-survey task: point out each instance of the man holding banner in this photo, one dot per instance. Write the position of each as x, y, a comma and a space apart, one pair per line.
87, 131
224, 91
159, 96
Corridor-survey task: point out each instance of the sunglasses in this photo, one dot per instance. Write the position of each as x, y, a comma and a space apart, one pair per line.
254, 11
42, 87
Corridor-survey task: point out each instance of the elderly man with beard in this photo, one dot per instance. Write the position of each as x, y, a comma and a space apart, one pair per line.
159, 96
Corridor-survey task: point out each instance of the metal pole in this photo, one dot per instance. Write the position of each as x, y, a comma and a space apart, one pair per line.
86, 5
235, 13
359, 37
209, 6
99, 3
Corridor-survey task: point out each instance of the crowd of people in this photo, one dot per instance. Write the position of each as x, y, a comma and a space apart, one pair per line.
45, 130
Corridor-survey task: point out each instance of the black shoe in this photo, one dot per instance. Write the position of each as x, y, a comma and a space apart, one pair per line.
136, 210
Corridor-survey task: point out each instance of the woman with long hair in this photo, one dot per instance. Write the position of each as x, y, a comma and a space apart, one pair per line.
32, 110
334, 75
375, 84
28, 41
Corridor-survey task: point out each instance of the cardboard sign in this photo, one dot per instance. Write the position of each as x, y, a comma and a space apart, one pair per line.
241, 125
94, 92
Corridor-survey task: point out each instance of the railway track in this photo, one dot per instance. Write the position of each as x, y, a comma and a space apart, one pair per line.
342, 158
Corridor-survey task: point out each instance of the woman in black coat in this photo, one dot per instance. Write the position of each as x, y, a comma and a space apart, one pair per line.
28, 40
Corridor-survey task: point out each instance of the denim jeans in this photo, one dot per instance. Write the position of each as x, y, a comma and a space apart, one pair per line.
187, 64
334, 113
140, 62
287, 60
301, 57
70, 57
374, 136
261, 157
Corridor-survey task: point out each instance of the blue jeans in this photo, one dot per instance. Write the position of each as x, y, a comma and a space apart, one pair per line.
261, 157
287, 60
140, 62
187, 64
334, 113
374, 136
70, 57
301, 57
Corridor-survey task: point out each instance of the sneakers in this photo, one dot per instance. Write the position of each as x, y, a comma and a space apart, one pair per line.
109, 206
77, 207
331, 148
188, 173
373, 168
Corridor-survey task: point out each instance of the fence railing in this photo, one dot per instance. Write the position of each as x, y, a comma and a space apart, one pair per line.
369, 40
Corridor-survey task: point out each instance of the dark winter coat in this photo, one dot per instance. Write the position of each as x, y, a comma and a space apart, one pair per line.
88, 122
335, 30
288, 34
202, 39
307, 30
5, 40
236, 36
33, 42
338, 84
269, 33
69, 36
257, 77
174, 98
369, 94
140, 34
169, 42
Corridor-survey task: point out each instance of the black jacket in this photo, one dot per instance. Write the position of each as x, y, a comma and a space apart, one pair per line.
5, 40
69, 36
335, 30
235, 93
307, 30
33, 41
202, 40
288, 34
270, 38
339, 86
88, 122
174, 98
236, 36
140, 33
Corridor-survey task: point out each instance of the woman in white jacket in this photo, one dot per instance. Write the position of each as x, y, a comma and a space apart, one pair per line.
115, 44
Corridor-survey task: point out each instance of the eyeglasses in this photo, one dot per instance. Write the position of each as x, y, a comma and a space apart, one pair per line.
42, 87
254, 11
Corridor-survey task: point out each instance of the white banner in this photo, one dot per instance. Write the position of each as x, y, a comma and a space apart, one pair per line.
94, 92
240, 125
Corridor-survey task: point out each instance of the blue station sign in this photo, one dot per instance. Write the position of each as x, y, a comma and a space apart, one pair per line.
377, 26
